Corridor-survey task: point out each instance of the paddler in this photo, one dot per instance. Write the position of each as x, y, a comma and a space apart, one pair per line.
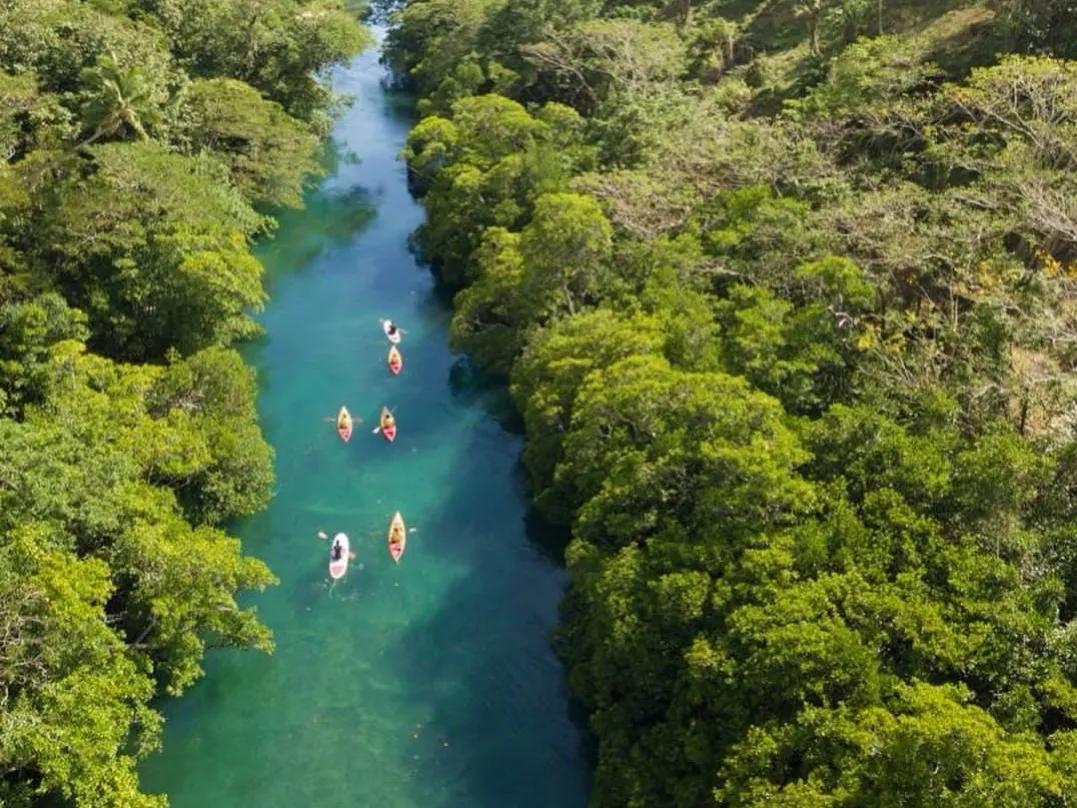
337, 550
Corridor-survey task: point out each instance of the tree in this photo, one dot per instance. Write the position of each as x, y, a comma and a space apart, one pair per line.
276, 46
72, 699
270, 154
126, 225
28, 329
548, 375
931, 747
792, 357
182, 277
649, 441
120, 101
84, 468
487, 322
492, 159
713, 47
812, 11
600, 59
565, 249
212, 393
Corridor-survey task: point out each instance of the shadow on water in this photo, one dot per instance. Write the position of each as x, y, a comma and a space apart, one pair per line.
470, 385
398, 104
548, 539
332, 218
502, 696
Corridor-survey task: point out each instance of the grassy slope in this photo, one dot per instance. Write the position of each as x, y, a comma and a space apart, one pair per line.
773, 52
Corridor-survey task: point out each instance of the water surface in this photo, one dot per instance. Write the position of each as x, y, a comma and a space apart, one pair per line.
429, 683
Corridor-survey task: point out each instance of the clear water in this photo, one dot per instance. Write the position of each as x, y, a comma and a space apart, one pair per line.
429, 683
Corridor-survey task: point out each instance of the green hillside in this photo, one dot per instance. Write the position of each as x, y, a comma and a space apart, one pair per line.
783, 291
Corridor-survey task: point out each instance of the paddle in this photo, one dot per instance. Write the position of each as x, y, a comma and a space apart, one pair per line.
333, 420
377, 429
380, 534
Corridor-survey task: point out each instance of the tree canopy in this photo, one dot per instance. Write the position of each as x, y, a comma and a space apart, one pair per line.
136, 139
790, 325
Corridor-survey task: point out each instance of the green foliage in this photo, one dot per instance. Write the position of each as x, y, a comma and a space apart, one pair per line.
645, 437
434, 37
89, 471
59, 39
930, 747
120, 101
72, 692
154, 247
794, 357
29, 119
566, 251
486, 322
867, 78
212, 392
432, 41
713, 48
270, 154
804, 348
27, 330
276, 47
490, 161
131, 153
548, 377
556, 266
1044, 26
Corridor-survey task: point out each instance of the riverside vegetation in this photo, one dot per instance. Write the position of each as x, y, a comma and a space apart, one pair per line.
784, 291
141, 142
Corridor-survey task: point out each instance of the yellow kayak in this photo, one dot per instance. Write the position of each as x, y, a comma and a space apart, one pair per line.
344, 424
388, 424
398, 537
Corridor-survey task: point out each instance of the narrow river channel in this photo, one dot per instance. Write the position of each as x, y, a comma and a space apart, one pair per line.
426, 684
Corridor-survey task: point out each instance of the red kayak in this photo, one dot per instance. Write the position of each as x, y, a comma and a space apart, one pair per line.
396, 361
344, 424
387, 424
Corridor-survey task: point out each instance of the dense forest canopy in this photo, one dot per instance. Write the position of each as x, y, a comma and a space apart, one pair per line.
784, 290
141, 142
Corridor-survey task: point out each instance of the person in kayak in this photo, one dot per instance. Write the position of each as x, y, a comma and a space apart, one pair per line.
390, 328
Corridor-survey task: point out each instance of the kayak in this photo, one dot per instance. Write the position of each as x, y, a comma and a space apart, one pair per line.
387, 424
396, 361
392, 336
344, 424
398, 537
340, 566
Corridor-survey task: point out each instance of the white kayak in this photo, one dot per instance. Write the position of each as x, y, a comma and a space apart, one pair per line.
339, 553
392, 335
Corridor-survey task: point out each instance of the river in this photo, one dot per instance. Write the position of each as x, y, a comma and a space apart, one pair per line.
430, 683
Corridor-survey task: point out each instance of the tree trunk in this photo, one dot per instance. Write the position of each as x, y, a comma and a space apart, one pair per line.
686, 13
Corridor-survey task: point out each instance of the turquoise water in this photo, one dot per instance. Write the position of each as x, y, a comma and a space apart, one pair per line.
429, 683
